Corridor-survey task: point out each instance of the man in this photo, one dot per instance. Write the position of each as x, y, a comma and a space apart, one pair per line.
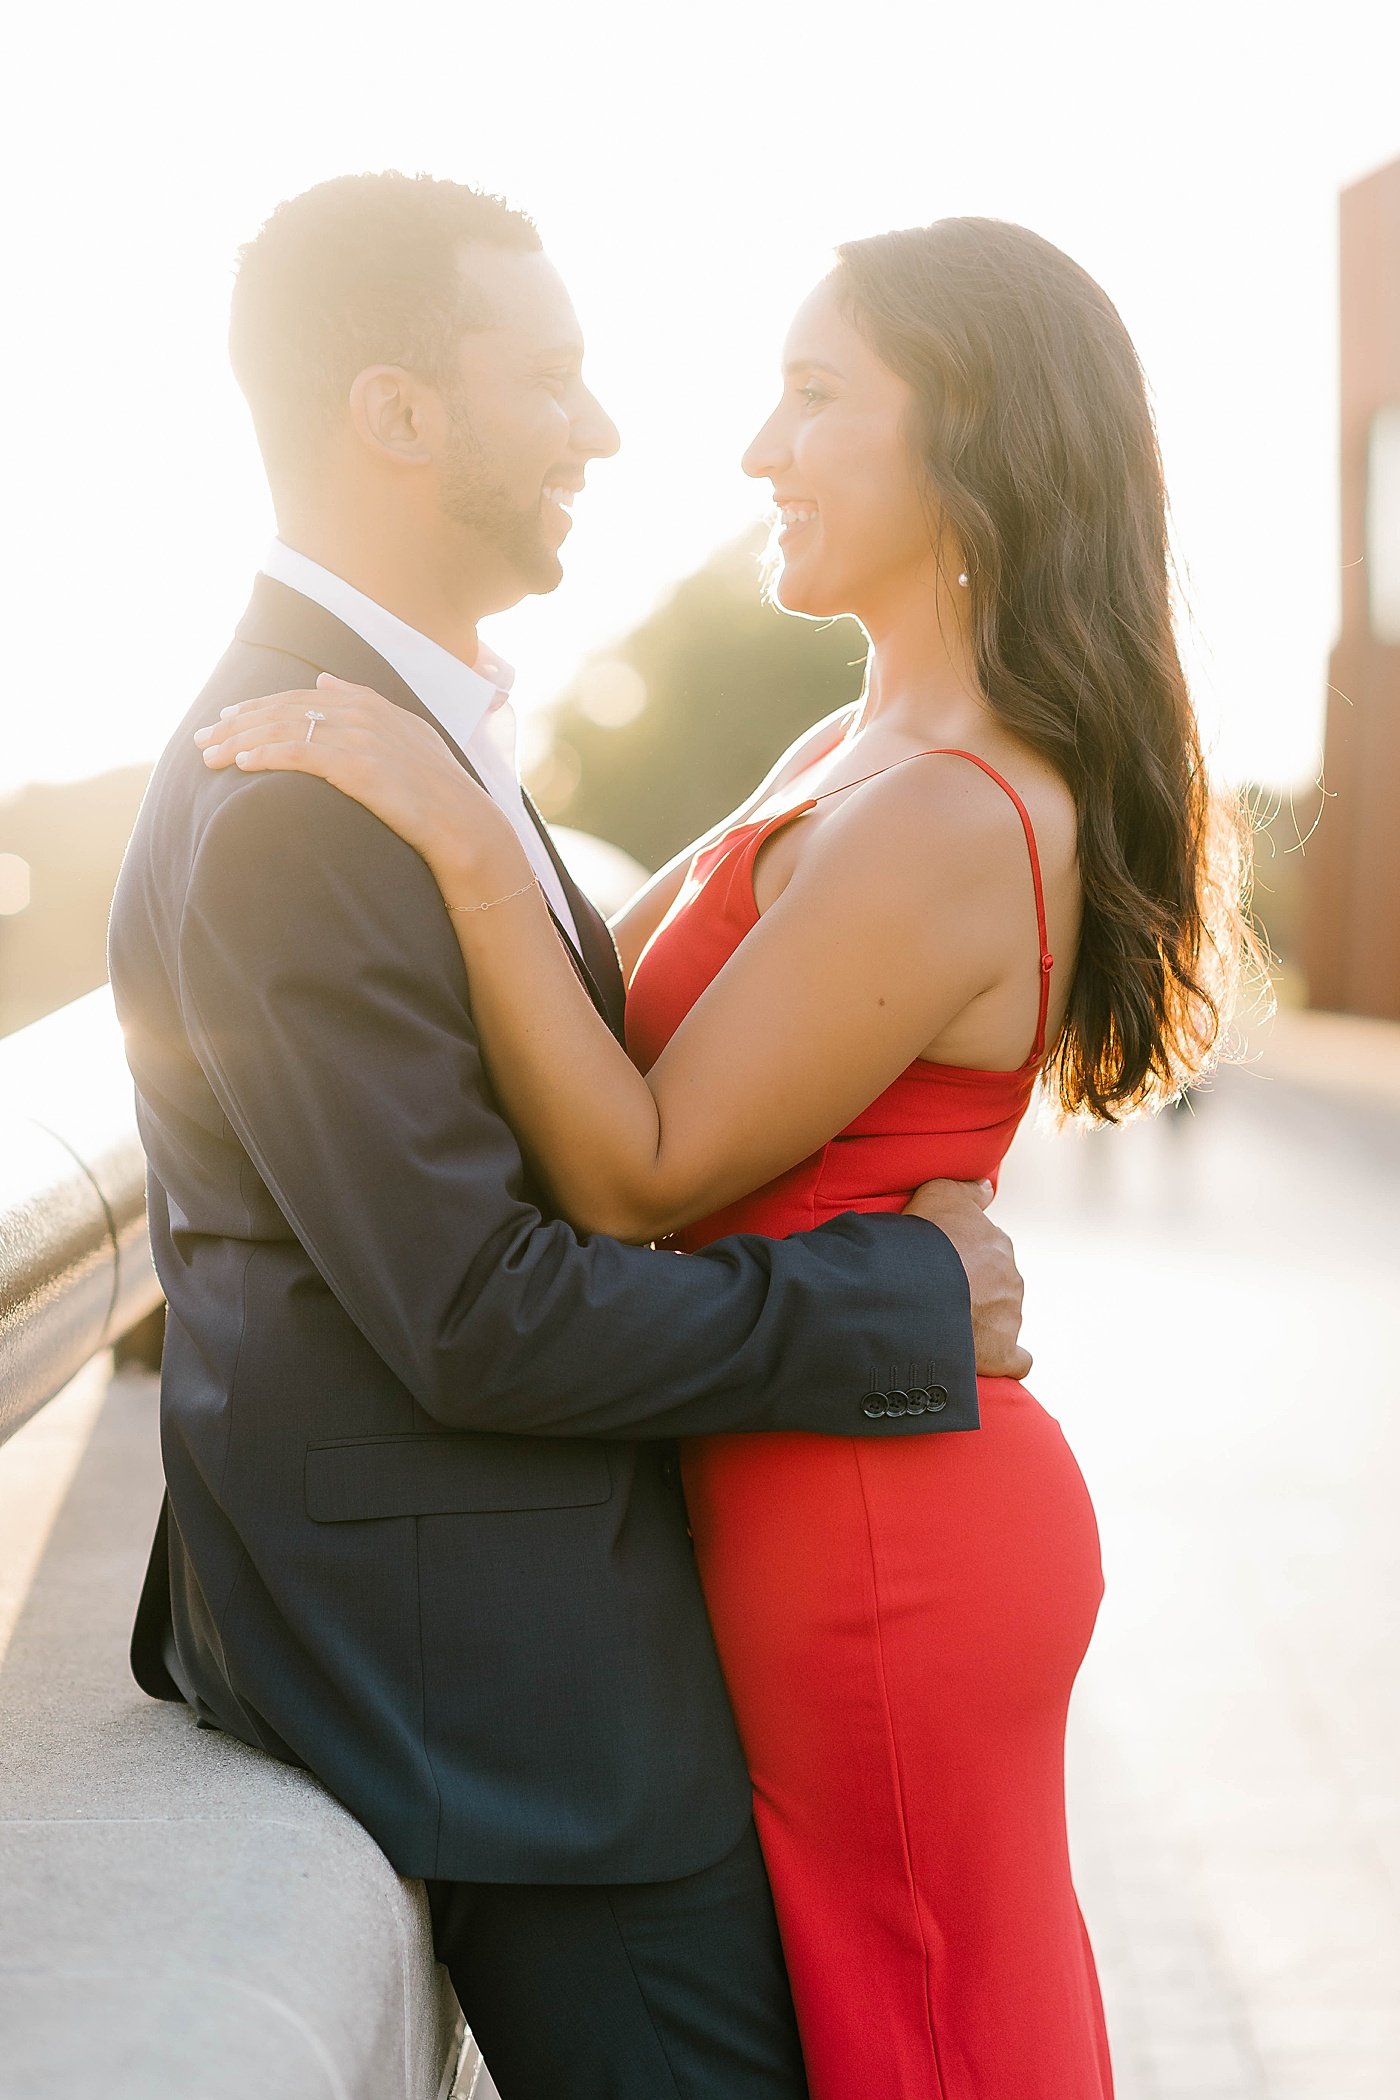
425, 1535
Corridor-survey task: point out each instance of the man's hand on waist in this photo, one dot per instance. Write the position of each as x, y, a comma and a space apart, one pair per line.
959, 1210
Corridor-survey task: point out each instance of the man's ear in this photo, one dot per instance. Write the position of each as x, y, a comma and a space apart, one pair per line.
390, 412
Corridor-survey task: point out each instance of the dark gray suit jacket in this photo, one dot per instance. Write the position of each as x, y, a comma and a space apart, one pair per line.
425, 1533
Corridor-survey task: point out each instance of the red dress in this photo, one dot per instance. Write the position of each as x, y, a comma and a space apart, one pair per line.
900, 1623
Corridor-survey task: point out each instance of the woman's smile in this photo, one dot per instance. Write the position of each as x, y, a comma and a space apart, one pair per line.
794, 518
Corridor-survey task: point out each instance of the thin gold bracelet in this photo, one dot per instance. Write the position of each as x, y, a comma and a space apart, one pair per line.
532, 884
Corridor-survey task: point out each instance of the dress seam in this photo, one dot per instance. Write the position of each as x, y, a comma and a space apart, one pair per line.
910, 1876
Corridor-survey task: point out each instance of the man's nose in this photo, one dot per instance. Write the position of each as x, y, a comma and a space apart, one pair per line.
594, 431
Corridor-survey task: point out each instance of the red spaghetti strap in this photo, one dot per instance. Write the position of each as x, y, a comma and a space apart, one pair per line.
1047, 960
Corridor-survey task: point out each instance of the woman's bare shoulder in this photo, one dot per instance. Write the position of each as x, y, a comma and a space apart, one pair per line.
959, 801
937, 825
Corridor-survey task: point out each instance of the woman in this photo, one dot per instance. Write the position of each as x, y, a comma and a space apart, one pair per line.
1000, 865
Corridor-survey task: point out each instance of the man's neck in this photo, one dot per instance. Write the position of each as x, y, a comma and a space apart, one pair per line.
408, 580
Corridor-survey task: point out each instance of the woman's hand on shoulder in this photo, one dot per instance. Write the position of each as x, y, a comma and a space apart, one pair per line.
391, 761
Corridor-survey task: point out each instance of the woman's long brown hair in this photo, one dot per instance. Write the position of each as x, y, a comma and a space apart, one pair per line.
1042, 460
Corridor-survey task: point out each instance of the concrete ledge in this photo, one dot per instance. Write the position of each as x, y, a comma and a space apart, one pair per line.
182, 1915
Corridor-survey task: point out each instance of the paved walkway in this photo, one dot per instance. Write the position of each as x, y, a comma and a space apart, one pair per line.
1212, 1300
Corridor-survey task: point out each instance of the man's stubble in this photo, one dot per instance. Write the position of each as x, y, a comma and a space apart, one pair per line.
474, 497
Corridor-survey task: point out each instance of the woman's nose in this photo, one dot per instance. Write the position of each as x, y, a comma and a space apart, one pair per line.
766, 453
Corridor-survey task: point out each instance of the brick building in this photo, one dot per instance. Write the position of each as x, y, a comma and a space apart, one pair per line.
1353, 898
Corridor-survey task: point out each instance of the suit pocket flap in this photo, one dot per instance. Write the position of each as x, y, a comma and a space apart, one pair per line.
435, 1476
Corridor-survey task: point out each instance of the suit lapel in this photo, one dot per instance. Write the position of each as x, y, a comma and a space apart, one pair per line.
599, 950
280, 618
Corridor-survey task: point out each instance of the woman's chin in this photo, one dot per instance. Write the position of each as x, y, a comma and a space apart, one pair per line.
803, 595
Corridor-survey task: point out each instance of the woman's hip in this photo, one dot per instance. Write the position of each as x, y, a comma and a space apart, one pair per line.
969, 1561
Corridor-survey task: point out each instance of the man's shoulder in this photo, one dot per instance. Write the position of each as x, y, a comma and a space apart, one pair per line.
233, 839
245, 671
183, 797
238, 832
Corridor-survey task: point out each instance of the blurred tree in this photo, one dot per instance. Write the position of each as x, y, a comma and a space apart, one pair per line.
655, 741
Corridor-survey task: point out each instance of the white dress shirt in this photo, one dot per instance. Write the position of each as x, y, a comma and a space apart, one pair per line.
470, 701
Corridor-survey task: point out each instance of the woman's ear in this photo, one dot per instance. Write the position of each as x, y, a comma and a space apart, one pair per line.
390, 412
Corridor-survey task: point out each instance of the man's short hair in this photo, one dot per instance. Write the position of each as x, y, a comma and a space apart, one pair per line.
363, 270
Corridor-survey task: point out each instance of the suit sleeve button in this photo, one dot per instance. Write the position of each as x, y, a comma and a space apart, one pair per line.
937, 1398
874, 1405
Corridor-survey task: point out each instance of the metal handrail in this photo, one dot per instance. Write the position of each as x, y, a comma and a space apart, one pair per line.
75, 1259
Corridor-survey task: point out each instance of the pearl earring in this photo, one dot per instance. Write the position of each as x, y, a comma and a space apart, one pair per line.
962, 579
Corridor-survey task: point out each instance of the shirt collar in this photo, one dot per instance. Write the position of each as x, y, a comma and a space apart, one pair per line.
459, 695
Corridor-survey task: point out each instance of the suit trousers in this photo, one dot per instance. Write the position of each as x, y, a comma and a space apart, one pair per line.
670, 1990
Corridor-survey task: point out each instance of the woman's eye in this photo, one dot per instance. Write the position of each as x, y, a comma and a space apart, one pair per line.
812, 395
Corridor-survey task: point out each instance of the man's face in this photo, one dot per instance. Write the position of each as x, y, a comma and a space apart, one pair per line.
521, 424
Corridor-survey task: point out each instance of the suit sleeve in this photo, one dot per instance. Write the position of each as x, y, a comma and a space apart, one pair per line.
325, 996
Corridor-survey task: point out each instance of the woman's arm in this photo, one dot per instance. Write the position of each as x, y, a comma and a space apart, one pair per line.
638, 920
893, 922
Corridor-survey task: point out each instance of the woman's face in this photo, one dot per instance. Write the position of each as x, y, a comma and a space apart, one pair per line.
854, 528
